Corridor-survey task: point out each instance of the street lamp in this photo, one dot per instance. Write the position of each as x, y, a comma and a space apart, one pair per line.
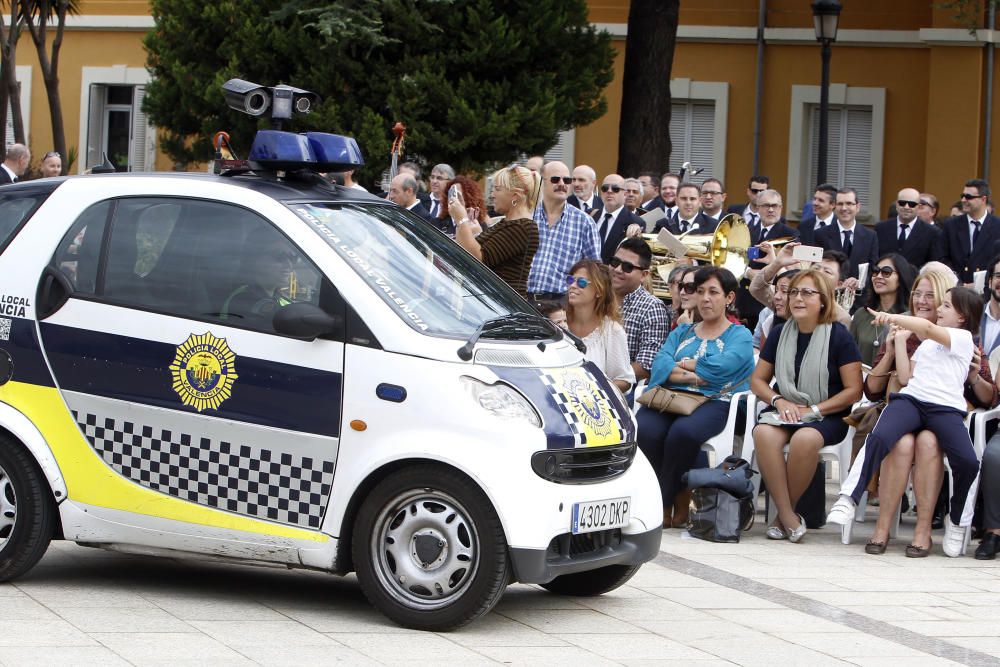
826, 14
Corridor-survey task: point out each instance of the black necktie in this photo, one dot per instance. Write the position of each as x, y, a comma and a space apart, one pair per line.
434, 208
903, 226
975, 234
847, 243
754, 229
585, 207
604, 227
684, 226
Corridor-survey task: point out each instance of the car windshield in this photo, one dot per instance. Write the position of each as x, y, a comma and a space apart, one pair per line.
434, 285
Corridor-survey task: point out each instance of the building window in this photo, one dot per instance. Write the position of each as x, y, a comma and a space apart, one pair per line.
854, 145
118, 128
692, 138
22, 73
848, 154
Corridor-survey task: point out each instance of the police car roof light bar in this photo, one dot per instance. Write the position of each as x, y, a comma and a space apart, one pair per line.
274, 150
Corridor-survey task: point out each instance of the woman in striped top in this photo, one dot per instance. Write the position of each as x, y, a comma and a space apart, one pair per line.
509, 246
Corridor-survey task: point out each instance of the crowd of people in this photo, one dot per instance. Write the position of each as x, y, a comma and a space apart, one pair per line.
888, 324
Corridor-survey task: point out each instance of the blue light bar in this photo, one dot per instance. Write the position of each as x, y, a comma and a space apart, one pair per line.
318, 151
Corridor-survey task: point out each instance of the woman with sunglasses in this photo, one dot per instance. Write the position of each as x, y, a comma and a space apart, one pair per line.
817, 366
713, 357
509, 246
593, 315
685, 312
51, 164
920, 449
889, 291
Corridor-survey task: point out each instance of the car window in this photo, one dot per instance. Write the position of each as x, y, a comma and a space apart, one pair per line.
15, 208
204, 260
79, 252
428, 280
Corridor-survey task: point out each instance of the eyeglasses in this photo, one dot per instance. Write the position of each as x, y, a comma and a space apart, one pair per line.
579, 282
711, 193
51, 154
805, 292
886, 271
688, 288
920, 296
926, 203
626, 267
757, 191
966, 196
907, 203
612, 188
768, 206
554, 180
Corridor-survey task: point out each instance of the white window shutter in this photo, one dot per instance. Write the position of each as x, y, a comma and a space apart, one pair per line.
95, 125
563, 151
680, 123
141, 158
692, 137
857, 155
834, 149
9, 133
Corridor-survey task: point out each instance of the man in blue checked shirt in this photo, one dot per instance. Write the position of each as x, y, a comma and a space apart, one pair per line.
565, 235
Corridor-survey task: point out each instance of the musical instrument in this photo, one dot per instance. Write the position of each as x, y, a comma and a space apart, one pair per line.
726, 247
397, 149
688, 168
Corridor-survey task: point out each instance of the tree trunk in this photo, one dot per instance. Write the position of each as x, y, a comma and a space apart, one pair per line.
49, 64
644, 129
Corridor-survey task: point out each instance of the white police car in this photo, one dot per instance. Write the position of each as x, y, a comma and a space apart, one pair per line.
263, 367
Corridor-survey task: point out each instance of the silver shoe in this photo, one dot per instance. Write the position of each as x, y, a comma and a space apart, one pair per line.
798, 533
776, 533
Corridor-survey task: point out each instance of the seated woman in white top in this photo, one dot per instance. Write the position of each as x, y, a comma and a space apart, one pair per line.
593, 314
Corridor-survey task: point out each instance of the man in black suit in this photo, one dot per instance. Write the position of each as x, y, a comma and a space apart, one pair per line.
583, 196
633, 196
749, 210
689, 217
859, 243
771, 227
650, 182
15, 163
906, 234
823, 204
614, 219
666, 201
713, 198
414, 169
403, 191
971, 239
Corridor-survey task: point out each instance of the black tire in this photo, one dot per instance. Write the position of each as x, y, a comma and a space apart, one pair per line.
27, 511
594, 582
462, 567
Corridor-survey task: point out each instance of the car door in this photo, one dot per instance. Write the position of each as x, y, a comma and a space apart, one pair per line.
163, 348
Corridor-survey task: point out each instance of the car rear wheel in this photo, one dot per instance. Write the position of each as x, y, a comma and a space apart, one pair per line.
593, 582
429, 549
27, 512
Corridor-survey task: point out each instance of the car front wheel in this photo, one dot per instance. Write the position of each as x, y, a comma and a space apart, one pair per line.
429, 549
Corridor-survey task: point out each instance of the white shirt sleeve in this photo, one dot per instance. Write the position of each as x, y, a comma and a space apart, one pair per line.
962, 345
619, 366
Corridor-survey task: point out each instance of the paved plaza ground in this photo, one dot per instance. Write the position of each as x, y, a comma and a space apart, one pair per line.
753, 603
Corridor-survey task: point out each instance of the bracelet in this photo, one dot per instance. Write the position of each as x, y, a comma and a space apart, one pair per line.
815, 408
774, 399
463, 221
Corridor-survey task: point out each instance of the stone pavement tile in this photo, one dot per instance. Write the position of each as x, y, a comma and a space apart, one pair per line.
423, 648
763, 651
96, 593
663, 577
191, 607
988, 627
635, 647
711, 627
720, 598
779, 620
33, 632
545, 656
891, 614
98, 656
892, 598
843, 645
980, 599
928, 661
522, 596
989, 645
24, 609
571, 621
9, 590
497, 630
801, 585
940, 585
342, 618
653, 608
990, 585
170, 649
241, 634
297, 656
104, 619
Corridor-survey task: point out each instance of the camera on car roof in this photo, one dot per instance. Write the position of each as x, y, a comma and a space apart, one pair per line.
255, 100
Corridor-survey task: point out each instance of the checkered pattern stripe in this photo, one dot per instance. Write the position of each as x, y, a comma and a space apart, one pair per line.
563, 403
233, 477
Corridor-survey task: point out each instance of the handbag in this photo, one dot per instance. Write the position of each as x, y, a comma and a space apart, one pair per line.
717, 515
673, 401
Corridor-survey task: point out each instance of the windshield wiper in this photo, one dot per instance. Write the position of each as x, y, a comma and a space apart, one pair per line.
517, 322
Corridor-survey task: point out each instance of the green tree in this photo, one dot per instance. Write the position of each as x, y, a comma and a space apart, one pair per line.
476, 82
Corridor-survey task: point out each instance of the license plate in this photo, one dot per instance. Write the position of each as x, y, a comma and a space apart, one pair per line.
600, 515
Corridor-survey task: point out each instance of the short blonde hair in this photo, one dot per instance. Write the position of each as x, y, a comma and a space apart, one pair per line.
828, 310
520, 179
940, 284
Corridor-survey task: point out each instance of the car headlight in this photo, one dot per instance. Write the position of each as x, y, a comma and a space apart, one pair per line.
502, 401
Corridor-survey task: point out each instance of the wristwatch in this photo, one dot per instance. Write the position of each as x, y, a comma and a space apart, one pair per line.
815, 409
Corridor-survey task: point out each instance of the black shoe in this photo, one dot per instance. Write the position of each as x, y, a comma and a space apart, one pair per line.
989, 547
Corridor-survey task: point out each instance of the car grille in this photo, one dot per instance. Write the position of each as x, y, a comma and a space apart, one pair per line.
568, 545
583, 465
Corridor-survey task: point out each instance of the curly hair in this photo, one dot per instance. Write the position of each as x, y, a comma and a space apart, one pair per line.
472, 195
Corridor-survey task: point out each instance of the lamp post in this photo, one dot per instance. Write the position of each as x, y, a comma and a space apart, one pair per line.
826, 14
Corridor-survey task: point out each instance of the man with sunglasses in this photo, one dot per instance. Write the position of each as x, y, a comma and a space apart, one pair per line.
565, 235
615, 219
971, 239
907, 235
644, 317
749, 210
584, 184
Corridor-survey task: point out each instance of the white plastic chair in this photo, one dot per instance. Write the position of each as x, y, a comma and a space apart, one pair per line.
724, 444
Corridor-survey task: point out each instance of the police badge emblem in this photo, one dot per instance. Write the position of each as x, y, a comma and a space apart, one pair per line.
203, 370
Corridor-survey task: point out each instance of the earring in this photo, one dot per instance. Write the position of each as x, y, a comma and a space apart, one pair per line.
513, 202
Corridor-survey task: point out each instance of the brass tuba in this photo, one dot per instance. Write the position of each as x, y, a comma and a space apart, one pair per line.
726, 247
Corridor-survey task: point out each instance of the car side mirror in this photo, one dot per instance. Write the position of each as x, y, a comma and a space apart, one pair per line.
306, 321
